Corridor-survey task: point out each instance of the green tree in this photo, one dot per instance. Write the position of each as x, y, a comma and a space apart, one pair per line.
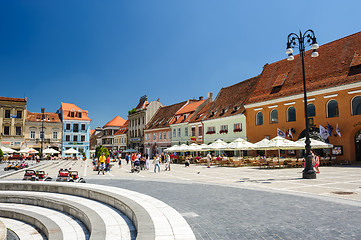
1, 154
100, 150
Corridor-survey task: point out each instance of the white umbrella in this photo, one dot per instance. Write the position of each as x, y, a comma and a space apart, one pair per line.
172, 148
28, 150
315, 144
7, 150
204, 147
183, 148
278, 142
262, 144
241, 144
50, 151
71, 151
218, 145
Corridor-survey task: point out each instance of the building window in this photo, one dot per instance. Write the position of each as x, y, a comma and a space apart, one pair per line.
186, 131
179, 132
154, 136
75, 127
7, 113
32, 134
224, 129
193, 131
67, 126
356, 105
164, 135
259, 118
274, 116
311, 110
67, 138
18, 131
138, 121
6, 130
72, 114
41, 134
55, 135
83, 127
75, 138
79, 114
332, 109
82, 138
143, 120
160, 135
174, 133
291, 114
19, 114
200, 131
237, 127
211, 130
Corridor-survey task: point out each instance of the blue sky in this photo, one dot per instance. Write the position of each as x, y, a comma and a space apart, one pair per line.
104, 55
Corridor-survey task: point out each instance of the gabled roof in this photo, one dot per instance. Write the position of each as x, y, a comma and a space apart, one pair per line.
230, 100
123, 129
164, 115
201, 114
79, 114
13, 99
338, 63
186, 112
143, 103
115, 122
49, 117
92, 131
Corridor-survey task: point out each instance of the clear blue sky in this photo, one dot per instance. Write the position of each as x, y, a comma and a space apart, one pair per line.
104, 55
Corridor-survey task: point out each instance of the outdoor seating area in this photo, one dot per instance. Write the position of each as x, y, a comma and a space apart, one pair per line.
197, 153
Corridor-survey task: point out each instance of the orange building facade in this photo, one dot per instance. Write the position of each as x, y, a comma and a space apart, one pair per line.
333, 83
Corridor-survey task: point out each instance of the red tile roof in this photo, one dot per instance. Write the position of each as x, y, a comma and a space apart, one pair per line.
164, 115
49, 117
190, 107
230, 100
123, 129
92, 131
201, 114
13, 99
339, 63
70, 107
115, 122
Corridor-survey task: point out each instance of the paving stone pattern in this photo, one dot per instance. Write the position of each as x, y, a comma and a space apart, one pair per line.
219, 212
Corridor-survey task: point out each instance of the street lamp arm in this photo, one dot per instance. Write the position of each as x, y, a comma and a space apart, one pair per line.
291, 40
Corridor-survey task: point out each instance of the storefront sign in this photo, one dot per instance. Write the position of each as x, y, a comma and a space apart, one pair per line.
135, 139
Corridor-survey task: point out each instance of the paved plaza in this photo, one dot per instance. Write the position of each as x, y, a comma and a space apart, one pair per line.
247, 202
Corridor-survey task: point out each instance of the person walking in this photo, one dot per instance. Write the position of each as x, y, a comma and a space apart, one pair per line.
107, 164
147, 161
127, 158
102, 160
156, 163
119, 161
167, 162
209, 159
315, 161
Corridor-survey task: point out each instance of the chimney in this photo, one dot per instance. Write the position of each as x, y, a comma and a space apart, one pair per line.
200, 98
210, 95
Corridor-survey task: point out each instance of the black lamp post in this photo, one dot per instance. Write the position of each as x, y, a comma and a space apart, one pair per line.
42, 133
301, 41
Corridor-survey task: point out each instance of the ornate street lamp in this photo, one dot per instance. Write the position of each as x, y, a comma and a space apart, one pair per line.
42, 131
301, 41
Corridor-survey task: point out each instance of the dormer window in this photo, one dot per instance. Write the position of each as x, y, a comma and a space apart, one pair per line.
79, 115
222, 112
184, 117
212, 114
72, 114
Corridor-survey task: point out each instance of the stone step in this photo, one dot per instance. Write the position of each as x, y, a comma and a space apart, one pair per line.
102, 221
22, 229
152, 218
3, 230
47, 226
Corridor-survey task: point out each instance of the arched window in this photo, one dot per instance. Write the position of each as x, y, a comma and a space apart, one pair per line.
332, 109
311, 110
356, 105
259, 118
291, 114
274, 116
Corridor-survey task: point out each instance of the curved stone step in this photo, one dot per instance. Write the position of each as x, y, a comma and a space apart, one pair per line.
47, 226
110, 224
23, 230
71, 228
152, 218
3, 230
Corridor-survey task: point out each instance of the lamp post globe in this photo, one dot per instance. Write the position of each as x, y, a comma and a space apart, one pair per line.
300, 40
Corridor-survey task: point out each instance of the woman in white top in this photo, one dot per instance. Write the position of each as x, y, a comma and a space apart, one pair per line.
147, 162
156, 163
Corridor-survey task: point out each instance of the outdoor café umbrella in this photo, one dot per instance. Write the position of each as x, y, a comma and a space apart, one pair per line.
71, 151
241, 144
7, 150
315, 144
28, 150
194, 147
172, 148
278, 143
204, 147
50, 151
130, 150
218, 145
262, 144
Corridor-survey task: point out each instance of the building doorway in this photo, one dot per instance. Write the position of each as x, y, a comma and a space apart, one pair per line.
358, 145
